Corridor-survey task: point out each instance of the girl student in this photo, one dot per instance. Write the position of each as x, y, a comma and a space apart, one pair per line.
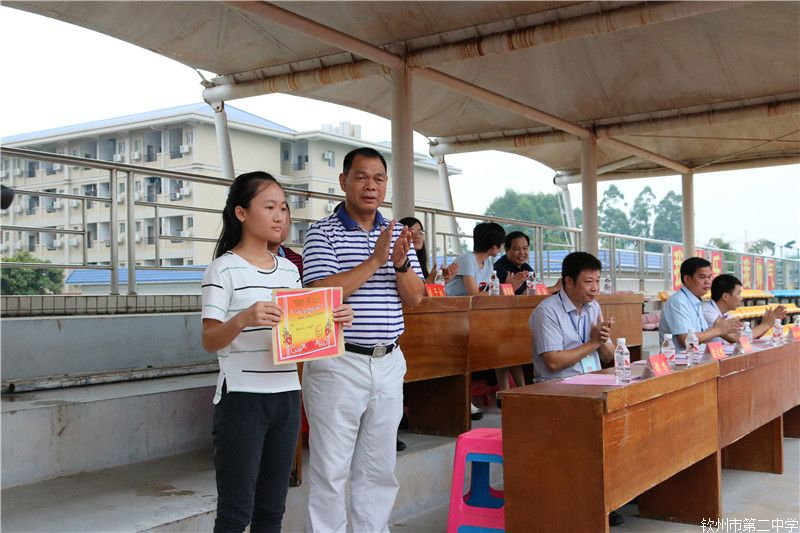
257, 404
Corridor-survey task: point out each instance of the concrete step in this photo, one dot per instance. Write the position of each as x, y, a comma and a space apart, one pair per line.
178, 493
68, 431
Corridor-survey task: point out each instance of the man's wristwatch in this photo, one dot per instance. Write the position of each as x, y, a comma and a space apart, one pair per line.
403, 268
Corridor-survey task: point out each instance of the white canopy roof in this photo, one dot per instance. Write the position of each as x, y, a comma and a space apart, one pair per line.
697, 83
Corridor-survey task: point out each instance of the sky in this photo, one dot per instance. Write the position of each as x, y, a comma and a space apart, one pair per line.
56, 74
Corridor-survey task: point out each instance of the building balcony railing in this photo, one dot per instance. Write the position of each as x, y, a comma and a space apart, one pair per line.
149, 158
627, 257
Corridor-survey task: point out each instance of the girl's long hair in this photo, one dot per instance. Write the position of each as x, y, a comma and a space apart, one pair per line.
422, 253
241, 192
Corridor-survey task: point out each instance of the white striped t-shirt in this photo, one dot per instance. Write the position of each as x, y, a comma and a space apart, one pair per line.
337, 244
231, 285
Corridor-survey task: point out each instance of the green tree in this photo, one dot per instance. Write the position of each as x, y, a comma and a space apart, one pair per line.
722, 244
760, 246
642, 213
539, 208
611, 217
578, 217
30, 280
668, 221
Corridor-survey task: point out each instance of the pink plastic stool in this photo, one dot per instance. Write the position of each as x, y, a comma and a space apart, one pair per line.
482, 508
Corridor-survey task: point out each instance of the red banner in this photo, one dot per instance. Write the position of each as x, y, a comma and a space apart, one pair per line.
699, 252
770, 274
759, 275
716, 263
677, 259
747, 272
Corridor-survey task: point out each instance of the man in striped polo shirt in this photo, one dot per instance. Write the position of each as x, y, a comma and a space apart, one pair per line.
354, 402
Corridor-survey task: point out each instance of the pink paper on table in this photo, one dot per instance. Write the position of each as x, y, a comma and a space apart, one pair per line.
591, 379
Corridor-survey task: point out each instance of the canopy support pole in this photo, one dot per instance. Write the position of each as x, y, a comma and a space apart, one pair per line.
687, 192
589, 194
402, 143
447, 195
223, 140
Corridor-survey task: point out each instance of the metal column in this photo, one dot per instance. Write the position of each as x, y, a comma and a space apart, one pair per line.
402, 143
687, 191
223, 140
447, 196
589, 194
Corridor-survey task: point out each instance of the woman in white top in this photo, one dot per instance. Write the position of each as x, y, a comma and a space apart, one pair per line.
257, 405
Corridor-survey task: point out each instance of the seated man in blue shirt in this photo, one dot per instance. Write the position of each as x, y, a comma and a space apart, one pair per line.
570, 336
682, 312
726, 296
475, 268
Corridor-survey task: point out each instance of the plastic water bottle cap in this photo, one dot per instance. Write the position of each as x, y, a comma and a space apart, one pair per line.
667, 336
621, 340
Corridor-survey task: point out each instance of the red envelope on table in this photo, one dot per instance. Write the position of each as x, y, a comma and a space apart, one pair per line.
716, 350
541, 288
796, 332
506, 289
658, 363
434, 289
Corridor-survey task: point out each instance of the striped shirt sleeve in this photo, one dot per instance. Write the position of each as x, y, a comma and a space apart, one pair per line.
319, 258
216, 293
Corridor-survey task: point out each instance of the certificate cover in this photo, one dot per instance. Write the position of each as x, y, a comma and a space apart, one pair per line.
306, 330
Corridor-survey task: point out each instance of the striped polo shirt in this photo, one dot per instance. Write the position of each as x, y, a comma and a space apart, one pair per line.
337, 244
231, 285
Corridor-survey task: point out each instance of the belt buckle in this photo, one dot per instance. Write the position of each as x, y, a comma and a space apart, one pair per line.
378, 351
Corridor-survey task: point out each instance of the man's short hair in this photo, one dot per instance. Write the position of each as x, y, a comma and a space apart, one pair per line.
723, 284
515, 235
578, 262
487, 234
364, 151
692, 265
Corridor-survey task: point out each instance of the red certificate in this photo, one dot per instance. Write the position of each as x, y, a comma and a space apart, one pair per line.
306, 330
795, 332
506, 289
716, 350
434, 289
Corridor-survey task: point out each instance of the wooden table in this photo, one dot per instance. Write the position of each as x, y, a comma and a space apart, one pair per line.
574, 453
755, 390
447, 338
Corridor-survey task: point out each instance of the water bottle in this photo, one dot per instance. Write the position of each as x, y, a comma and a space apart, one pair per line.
439, 279
777, 332
494, 285
797, 320
693, 355
622, 362
747, 331
530, 283
607, 287
668, 349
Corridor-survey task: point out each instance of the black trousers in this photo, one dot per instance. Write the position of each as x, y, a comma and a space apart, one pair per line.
255, 437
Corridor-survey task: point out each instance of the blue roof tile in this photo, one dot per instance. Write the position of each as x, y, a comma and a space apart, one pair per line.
103, 277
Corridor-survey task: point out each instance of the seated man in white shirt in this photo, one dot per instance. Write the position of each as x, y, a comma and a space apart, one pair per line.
726, 295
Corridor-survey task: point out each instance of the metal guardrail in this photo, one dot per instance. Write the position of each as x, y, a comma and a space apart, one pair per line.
547, 250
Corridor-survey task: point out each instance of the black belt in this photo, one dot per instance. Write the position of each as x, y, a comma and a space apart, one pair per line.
372, 351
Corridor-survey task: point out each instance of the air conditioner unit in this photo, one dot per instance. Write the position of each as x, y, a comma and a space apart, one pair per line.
18, 172
58, 243
57, 166
74, 242
137, 196
186, 191
186, 233
57, 204
74, 203
119, 158
120, 198
137, 237
329, 208
19, 245
327, 156
135, 156
185, 148
121, 238
17, 208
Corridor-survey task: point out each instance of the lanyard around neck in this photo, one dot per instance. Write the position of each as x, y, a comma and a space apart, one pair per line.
692, 304
581, 335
